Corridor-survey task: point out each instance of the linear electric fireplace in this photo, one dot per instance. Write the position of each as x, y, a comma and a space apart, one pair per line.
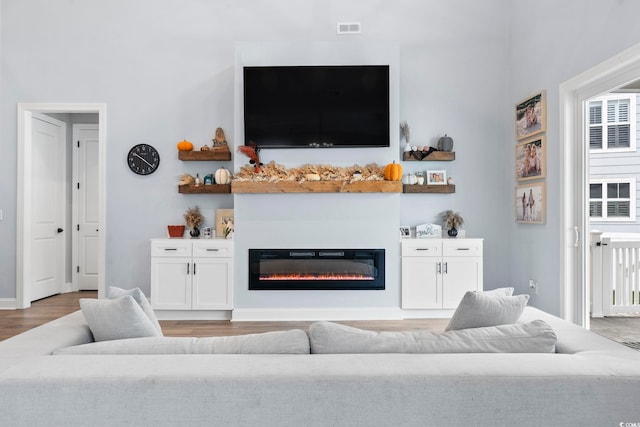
316, 269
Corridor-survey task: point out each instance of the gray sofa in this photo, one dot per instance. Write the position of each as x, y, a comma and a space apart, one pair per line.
589, 381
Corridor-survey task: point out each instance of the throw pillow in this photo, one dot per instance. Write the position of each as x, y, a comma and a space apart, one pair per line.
140, 298
294, 341
533, 337
116, 319
477, 310
507, 292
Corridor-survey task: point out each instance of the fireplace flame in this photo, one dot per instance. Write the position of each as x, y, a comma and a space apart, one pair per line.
304, 276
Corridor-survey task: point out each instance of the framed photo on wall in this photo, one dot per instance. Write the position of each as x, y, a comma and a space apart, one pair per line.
531, 203
531, 159
531, 116
224, 219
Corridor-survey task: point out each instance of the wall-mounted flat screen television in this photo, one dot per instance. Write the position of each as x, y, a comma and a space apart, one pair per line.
316, 106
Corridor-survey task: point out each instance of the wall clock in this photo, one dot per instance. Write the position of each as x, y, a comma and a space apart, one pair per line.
143, 159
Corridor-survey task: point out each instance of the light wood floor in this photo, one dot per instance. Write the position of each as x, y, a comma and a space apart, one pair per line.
13, 322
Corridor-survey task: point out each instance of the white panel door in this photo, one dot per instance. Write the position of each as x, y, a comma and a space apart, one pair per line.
48, 201
86, 205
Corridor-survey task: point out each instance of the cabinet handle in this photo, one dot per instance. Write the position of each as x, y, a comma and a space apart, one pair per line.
422, 249
188, 267
464, 249
212, 250
439, 268
194, 268
446, 270
170, 249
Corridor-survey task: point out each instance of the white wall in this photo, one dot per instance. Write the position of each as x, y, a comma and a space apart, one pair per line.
166, 71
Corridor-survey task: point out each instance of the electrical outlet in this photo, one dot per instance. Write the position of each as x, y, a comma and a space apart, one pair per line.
533, 285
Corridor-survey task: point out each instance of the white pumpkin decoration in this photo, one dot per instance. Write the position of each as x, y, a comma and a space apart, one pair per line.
409, 179
223, 176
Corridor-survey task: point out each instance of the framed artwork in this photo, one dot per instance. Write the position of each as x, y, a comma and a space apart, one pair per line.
436, 177
405, 232
531, 203
531, 159
531, 116
224, 220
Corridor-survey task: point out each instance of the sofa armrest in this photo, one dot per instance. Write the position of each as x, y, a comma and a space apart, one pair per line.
66, 331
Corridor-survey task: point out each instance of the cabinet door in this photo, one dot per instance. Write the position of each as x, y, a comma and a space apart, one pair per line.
459, 275
421, 282
171, 283
212, 284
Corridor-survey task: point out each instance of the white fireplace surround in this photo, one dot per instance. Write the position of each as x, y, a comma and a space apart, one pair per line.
327, 220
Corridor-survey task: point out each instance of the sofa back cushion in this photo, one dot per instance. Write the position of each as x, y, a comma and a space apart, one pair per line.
294, 341
533, 337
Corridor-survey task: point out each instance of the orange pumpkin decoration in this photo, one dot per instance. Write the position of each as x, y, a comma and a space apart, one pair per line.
185, 145
393, 172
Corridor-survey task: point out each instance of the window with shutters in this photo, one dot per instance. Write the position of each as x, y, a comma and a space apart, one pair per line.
612, 123
612, 200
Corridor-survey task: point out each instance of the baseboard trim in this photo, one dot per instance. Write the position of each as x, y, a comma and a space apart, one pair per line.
314, 314
193, 314
8, 304
427, 314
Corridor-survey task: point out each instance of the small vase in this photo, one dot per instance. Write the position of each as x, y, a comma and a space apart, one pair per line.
195, 232
453, 232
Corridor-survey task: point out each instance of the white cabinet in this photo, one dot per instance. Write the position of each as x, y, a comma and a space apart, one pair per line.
191, 274
436, 273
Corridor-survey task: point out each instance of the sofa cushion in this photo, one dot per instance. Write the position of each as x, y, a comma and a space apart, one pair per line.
534, 337
294, 341
480, 309
116, 319
140, 298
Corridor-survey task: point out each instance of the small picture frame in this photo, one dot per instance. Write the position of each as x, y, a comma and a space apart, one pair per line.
436, 177
405, 232
224, 220
531, 159
531, 203
531, 116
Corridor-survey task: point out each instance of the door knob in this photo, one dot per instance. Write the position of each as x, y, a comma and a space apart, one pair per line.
60, 230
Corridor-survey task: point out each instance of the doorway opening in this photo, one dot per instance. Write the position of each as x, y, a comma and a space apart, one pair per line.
574, 94
29, 160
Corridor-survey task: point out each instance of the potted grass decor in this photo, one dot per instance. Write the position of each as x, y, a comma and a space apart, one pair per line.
452, 221
194, 220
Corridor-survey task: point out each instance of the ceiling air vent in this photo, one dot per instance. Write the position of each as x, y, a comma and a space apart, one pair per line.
348, 28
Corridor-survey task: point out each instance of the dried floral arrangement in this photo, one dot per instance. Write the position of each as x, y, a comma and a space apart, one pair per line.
406, 131
272, 172
451, 219
193, 217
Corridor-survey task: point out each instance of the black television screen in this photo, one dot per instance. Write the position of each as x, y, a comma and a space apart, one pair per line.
316, 106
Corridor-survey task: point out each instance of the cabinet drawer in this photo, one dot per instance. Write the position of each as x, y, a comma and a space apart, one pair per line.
423, 247
212, 249
462, 247
170, 248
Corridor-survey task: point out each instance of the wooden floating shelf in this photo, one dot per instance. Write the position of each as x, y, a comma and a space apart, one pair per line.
204, 155
441, 189
204, 189
436, 156
251, 187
